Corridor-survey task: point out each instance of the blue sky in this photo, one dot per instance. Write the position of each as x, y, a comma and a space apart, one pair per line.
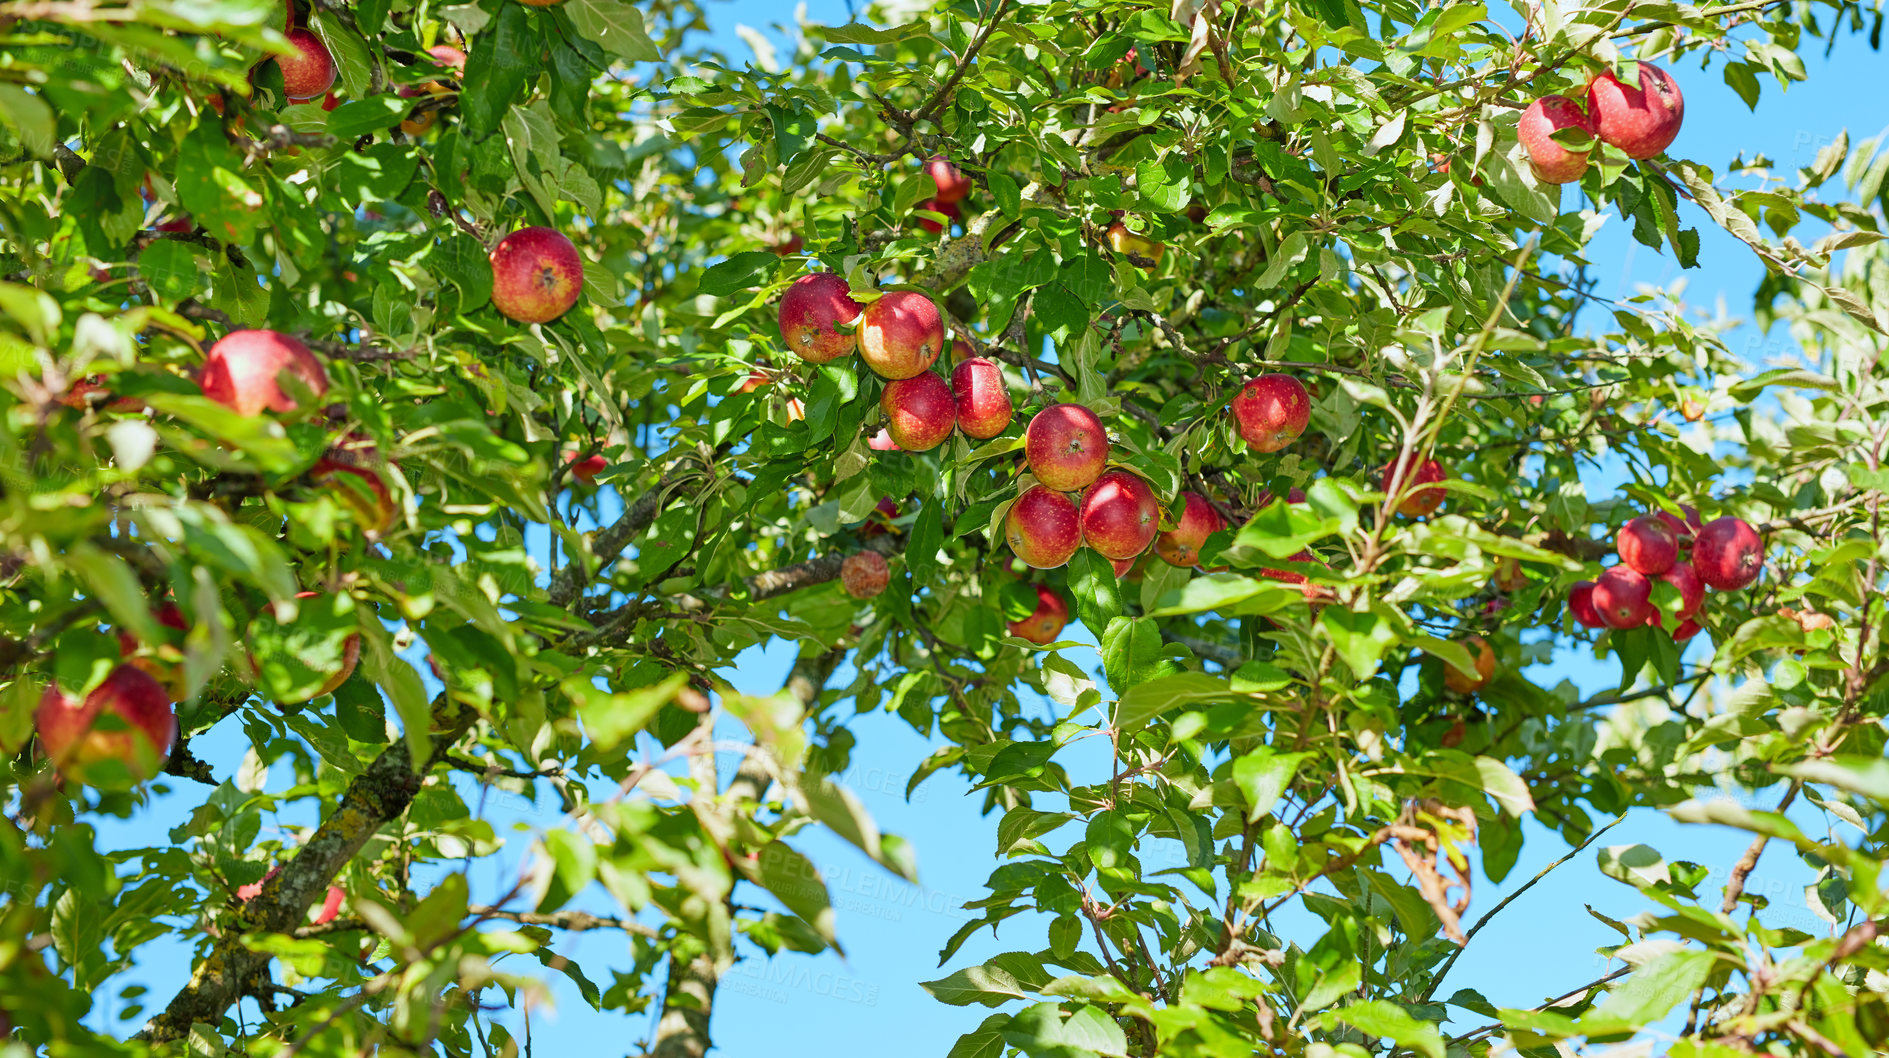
805, 1006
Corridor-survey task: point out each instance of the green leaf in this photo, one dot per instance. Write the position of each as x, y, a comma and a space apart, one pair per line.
1500, 782
611, 718
859, 33
615, 26
1098, 594
1376, 1017
1263, 777
1157, 697
988, 985
738, 272
572, 859
1864, 776
495, 74
1650, 993
796, 883
360, 117
1360, 638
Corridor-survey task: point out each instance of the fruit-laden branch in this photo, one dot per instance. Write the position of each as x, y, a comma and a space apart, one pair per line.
373, 799
688, 999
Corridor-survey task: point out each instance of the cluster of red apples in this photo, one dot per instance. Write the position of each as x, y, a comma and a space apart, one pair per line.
1725, 554
1640, 119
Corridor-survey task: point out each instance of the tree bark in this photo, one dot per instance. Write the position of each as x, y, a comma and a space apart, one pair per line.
688, 1000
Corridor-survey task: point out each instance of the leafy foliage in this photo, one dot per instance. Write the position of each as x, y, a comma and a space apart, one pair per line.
1329, 189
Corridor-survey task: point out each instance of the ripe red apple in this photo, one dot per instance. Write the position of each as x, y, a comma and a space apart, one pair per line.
1123, 241
1553, 162
952, 184
810, 309
882, 441
1581, 605
1641, 120
949, 210
984, 408
330, 101
307, 70
1180, 546
901, 334
1120, 515
864, 574
1623, 598
919, 411
1648, 544
1683, 577
536, 275
1065, 447
879, 522
1686, 630
1728, 554
444, 56
586, 469
1470, 682
1684, 528
116, 738
1271, 411
1421, 494
1046, 622
1121, 566
788, 247
240, 371
1043, 527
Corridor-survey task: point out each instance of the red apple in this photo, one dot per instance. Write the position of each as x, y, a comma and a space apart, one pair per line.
984, 409
330, 101
240, 371
809, 311
1641, 120
952, 184
882, 442
1648, 544
864, 574
1046, 622
1065, 447
788, 247
1421, 494
307, 70
330, 907
586, 469
1623, 598
1271, 411
1043, 527
1483, 656
1553, 162
1691, 595
901, 334
536, 275
879, 522
1121, 566
1686, 630
1728, 554
949, 210
919, 411
1684, 528
1180, 546
1581, 605
116, 738
444, 56
960, 352
1120, 515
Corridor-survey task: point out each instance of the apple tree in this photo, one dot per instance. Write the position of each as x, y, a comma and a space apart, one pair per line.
426, 401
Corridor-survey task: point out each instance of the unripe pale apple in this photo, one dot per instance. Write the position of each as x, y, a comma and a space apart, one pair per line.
1640, 119
1043, 527
952, 184
1648, 544
1066, 447
882, 441
586, 469
1552, 161
1623, 598
536, 275
1123, 241
810, 309
864, 574
919, 411
1421, 494
901, 334
307, 70
1683, 577
984, 408
1728, 554
1581, 605
1180, 546
949, 210
1483, 655
116, 738
1120, 515
240, 371
1046, 622
1271, 411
